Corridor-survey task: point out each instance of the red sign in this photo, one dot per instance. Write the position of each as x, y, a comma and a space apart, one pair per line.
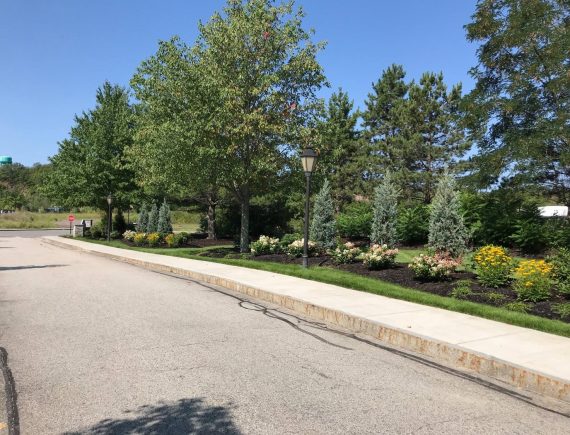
71, 218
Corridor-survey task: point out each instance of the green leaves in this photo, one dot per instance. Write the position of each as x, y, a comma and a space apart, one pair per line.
519, 109
92, 162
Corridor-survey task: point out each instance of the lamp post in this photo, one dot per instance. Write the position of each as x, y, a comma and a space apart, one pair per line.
110, 222
309, 160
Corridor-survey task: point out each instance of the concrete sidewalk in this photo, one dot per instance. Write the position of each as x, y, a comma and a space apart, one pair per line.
520, 357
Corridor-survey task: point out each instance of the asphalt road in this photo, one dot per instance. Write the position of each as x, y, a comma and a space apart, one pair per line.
33, 233
101, 347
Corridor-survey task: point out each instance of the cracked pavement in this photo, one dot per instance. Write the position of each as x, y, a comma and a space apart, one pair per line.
101, 347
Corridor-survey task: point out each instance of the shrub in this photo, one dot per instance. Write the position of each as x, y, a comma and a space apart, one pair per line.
493, 265
97, 231
295, 249
462, 289
115, 235
164, 225
181, 238
434, 267
129, 235
153, 239
518, 306
265, 245
346, 253
323, 226
560, 262
447, 232
557, 232
287, 239
139, 239
385, 213
533, 280
563, 310
119, 222
169, 240
354, 221
529, 236
142, 221
380, 257
413, 224
152, 226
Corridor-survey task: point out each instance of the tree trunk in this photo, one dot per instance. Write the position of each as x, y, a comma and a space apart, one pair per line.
244, 231
211, 219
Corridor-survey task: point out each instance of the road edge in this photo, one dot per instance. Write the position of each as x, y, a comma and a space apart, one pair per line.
12, 416
447, 354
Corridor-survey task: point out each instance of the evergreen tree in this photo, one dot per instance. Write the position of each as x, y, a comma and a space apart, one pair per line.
385, 213
142, 221
119, 223
340, 158
433, 134
152, 226
447, 232
383, 120
164, 221
323, 226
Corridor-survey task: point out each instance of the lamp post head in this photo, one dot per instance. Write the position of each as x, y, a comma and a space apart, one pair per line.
109, 199
309, 160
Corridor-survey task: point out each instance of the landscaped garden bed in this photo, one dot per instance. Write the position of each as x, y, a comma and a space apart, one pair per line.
461, 284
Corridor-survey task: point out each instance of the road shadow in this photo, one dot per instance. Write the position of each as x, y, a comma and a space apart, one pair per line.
186, 416
3, 268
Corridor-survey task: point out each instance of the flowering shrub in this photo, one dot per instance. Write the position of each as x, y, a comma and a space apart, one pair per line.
533, 280
295, 249
493, 265
560, 262
380, 257
139, 239
346, 253
153, 239
170, 240
129, 235
435, 267
265, 245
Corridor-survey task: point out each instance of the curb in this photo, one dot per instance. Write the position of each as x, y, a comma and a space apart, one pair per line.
450, 355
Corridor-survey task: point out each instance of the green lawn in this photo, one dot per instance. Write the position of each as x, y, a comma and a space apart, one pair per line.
181, 220
370, 285
34, 220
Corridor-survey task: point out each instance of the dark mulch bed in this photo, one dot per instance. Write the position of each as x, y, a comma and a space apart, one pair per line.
402, 275
204, 243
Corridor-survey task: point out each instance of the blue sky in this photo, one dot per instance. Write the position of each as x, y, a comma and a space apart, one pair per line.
56, 53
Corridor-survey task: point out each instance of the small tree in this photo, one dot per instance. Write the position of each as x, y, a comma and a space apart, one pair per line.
119, 223
152, 226
323, 226
385, 213
447, 232
142, 221
164, 220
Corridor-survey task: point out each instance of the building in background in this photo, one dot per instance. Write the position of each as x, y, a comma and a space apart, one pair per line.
5, 160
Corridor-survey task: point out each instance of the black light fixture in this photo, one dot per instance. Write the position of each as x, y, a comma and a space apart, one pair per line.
309, 160
110, 222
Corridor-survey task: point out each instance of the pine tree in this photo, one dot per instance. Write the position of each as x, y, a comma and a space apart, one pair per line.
323, 226
142, 221
152, 226
433, 134
447, 232
383, 121
341, 154
164, 220
385, 213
